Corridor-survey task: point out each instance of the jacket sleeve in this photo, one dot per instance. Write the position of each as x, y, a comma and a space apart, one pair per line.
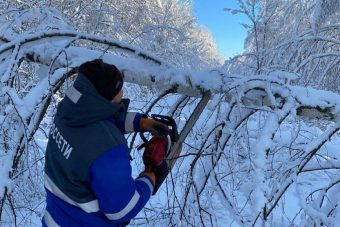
131, 122
119, 196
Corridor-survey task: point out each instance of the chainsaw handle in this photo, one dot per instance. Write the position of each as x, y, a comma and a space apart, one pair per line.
142, 136
170, 122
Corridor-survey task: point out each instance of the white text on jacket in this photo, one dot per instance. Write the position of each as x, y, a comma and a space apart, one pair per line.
63, 145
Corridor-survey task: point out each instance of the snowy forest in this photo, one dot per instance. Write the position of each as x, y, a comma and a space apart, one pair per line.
264, 149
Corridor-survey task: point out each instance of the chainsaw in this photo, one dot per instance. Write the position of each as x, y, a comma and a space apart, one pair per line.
168, 144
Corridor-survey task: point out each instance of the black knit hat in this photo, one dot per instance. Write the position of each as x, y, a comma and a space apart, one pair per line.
106, 78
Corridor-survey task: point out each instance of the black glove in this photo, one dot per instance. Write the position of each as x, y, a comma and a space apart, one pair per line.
161, 171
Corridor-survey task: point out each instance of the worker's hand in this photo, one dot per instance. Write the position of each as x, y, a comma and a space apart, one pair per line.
154, 127
157, 174
155, 151
150, 174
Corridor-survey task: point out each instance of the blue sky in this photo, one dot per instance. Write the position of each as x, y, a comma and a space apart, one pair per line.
225, 27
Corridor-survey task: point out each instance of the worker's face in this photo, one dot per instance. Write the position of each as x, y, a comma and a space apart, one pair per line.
118, 97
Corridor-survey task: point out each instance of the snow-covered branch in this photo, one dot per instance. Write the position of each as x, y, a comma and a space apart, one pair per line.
150, 70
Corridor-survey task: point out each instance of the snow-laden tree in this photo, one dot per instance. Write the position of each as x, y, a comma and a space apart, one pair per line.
262, 151
297, 36
165, 27
301, 37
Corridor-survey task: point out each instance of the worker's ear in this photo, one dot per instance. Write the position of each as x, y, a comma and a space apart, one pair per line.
122, 72
118, 98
